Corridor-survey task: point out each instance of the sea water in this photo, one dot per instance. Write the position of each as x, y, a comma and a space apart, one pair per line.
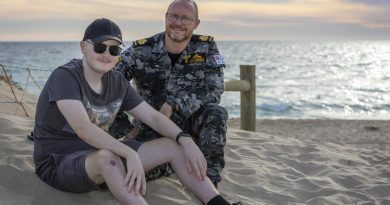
305, 80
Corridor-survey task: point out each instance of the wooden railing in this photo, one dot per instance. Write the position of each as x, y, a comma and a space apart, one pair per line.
247, 86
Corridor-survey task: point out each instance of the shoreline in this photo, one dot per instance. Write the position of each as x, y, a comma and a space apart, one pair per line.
368, 134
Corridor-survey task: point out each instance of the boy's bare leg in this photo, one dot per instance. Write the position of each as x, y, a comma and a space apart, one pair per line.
106, 166
156, 152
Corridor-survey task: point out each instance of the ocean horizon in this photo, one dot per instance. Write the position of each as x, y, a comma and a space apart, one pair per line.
294, 79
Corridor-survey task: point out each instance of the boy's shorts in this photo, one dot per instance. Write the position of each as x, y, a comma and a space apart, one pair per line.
67, 171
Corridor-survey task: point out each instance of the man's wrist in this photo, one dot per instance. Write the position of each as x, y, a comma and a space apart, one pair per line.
181, 135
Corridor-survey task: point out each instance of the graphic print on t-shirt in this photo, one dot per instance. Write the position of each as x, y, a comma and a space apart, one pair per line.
102, 116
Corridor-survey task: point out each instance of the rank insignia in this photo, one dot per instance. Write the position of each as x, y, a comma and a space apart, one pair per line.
204, 38
142, 41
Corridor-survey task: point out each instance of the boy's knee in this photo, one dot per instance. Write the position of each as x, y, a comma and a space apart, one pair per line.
170, 148
107, 159
169, 144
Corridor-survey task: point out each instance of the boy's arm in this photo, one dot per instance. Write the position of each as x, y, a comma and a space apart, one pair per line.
163, 125
77, 117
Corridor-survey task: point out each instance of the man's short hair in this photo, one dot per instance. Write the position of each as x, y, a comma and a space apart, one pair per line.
188, 1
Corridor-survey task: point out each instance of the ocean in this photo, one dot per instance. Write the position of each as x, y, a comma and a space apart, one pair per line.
294, 80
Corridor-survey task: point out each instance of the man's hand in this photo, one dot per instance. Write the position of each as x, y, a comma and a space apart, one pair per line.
135, 178
194, 157
166, 110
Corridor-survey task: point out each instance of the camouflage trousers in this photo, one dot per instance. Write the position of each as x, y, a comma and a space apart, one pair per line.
208, 127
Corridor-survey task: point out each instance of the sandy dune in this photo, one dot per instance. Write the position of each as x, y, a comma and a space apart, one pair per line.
292, 164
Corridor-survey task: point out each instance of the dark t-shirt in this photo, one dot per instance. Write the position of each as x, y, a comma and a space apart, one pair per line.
174, 57
52, 133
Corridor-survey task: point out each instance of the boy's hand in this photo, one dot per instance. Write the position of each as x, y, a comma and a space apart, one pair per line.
135, 178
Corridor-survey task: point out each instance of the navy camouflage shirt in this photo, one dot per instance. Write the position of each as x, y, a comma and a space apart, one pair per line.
196, 78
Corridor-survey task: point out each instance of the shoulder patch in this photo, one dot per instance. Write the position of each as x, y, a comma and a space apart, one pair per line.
143, 42
202, 38
119, 59
219, 59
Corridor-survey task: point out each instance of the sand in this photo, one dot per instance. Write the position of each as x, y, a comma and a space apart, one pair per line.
369, 134
284, 162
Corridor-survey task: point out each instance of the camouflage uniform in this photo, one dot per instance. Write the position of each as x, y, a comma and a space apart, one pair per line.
193, 87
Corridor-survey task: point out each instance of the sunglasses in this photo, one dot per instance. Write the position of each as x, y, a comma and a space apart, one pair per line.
101, 48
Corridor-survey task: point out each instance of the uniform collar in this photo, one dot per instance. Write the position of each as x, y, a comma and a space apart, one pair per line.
158, 47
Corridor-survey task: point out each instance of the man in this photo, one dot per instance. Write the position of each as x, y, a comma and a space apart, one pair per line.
73, 151
181, 74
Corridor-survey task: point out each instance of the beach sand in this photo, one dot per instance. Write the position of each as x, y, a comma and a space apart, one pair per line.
368, 134
284, 162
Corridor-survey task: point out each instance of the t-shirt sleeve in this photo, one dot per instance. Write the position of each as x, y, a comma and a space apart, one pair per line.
63, 85
132, 98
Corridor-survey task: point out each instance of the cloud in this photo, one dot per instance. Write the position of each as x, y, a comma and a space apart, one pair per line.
229, 19
329, 11
294, 32
371, 2
82, 10
367, 13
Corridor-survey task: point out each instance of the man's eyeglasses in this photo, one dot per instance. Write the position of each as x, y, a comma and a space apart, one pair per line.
184, 19
101, 48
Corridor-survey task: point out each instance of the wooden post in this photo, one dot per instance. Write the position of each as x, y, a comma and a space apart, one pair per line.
237, 85
248, 98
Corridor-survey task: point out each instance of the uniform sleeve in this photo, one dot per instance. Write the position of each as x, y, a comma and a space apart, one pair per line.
63, 85
209, 91
127, 63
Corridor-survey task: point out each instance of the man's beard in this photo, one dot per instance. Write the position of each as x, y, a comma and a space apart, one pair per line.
185, 38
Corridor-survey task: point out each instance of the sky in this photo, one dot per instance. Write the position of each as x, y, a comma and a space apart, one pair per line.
233, 20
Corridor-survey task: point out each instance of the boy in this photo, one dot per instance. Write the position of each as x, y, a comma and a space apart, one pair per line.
72, 150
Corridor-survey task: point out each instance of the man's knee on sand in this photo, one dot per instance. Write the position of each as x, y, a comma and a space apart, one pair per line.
213, 110
209, 125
